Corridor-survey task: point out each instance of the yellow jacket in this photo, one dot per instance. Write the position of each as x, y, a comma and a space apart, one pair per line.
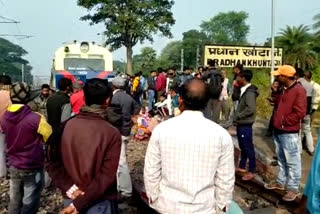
136, 83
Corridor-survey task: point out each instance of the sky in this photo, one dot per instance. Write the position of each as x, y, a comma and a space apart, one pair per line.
55, 22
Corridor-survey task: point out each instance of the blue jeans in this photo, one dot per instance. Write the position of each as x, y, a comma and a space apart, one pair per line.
244, 134
103, 207
151, 100
289, 160
25, 191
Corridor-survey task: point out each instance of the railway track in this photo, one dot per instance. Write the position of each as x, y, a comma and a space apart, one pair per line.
254, 187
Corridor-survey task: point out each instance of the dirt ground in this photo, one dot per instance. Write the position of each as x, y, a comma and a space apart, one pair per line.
136, 154
51, 200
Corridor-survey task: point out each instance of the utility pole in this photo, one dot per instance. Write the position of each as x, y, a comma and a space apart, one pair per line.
272, 37
22, 72
197, 57
182, 60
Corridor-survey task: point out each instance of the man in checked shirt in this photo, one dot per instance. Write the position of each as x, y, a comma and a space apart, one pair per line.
189, 165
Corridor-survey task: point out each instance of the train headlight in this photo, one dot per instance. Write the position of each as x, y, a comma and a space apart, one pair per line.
84, 47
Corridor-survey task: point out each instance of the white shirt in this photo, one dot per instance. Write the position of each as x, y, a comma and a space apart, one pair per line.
224, 93
315, 95
161, 104
189, 166
244, 88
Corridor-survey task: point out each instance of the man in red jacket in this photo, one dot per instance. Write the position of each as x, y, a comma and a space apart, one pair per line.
290, 109
161, 82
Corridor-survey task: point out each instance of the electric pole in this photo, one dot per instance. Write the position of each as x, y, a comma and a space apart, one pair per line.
22, 72
182, 58
272, 37
197, 57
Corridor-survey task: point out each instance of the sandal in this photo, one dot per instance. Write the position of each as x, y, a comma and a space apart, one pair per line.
241, 170
291, 196
272, 186
248, 176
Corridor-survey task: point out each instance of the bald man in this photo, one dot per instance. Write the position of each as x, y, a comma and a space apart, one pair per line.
190, 168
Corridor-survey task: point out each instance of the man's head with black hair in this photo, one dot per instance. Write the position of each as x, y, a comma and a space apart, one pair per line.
237, 69
174, 90
43, 86
299, 73
96, 91
5, 81
194, 95
171, 73
137, 74
186, 70
308, 76
65, 85
212, 64
45, 89
153, 73
161, 70
244, 77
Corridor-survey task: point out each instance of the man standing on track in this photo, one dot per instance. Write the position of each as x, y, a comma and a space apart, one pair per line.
290, 109
190, 169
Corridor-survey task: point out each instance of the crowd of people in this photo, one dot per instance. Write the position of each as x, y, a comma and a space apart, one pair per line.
77, 139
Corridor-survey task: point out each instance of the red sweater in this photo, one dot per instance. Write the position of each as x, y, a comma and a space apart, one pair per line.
77, 101
290, 109
161, 82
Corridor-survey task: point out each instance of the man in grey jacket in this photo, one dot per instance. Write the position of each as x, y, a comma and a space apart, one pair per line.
244, 118
129, 108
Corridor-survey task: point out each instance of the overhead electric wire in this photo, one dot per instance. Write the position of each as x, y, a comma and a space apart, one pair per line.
8, 20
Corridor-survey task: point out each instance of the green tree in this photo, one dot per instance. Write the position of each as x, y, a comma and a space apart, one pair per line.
297, 43
145, 61
119, 66
11, 60
316, 25
316, 40
227, 28
192, 40
171, 55
128, 22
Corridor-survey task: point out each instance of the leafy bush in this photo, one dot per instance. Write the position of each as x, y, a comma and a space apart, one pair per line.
261, 79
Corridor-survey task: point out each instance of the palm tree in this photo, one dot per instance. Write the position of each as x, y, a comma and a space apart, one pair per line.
297, 42
316, 25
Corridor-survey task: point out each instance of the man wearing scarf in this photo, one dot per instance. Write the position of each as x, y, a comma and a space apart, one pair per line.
89, 153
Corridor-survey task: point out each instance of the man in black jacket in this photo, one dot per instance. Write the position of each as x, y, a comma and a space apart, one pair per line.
244, 118
214, 79
58, 105
128, 108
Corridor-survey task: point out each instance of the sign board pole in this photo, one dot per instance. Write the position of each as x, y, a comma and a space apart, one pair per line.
272, 38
